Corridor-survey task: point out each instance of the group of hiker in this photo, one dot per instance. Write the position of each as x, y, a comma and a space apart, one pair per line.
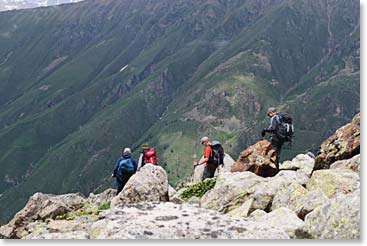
280, 128
126, 166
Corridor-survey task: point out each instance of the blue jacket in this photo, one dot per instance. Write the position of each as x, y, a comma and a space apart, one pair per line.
124, 157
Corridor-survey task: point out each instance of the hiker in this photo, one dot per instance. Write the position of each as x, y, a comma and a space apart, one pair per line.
281, 130
213, 157
124, 168
148, 155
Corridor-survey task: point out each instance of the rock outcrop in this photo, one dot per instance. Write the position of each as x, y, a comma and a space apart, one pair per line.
333, 181
353, 164
298, 202
282, 218
150, 183
258, 158
303, 163
232, 190
39, 207
337, 219
344, 144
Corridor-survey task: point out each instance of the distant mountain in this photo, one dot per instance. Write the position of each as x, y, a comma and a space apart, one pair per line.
79, 82
26, 4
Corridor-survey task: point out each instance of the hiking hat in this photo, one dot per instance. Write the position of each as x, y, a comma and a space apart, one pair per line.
204, 139
145, 146
127, 151
271, 110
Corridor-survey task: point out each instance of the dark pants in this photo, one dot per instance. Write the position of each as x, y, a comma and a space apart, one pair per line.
208, 173
121, 183
277, 144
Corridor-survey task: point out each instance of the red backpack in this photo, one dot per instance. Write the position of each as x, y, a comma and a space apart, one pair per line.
149, 156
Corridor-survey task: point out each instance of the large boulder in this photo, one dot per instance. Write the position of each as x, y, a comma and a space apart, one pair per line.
150, 183
353, 164
173, 221
282, 218
303, 163
332, 181
289, 196
344, 144
258, 158
310, 201
40, 207
338, 219
232, 190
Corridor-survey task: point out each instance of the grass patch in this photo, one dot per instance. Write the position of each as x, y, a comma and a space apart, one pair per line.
198, 189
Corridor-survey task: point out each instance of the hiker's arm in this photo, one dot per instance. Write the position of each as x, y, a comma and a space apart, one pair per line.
203, 161
272, 127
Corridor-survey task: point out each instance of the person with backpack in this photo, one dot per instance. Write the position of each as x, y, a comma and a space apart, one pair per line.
125, 167
148, 155
281, 130
213, 157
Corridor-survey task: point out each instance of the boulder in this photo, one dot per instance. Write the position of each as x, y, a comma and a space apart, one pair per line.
150, 183
310, 201
289, 196
353, 164
282, 218
258, 158
233, 189
332, 181
302, 163
41, 206
338, 219
173, 221
344, 144
96, 200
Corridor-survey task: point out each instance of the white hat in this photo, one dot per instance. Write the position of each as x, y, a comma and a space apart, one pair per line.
127, 151
204, 139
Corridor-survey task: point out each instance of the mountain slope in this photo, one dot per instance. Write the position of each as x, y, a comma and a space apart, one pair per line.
80, 82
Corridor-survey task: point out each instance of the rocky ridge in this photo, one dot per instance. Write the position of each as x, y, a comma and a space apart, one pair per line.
300, 202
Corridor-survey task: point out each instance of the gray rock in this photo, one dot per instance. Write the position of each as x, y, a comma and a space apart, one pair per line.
282, 218
67, 235
310, 201
41, 206
353, 164
171, 191
289, 196
302, 163
173, 221
150, 183
332, 181
338, 219
100, 199
234, 189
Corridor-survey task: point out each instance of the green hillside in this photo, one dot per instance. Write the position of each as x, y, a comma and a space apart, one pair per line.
79, 82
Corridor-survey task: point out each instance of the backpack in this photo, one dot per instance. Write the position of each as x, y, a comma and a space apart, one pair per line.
286, 128
217, 154
149, 156
126, 166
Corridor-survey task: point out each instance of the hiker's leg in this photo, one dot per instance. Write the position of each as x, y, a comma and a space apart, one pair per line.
208, 173
205, 174
277, 146
119, 189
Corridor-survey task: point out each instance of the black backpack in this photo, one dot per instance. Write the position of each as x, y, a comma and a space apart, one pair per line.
217, 155
286, 128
